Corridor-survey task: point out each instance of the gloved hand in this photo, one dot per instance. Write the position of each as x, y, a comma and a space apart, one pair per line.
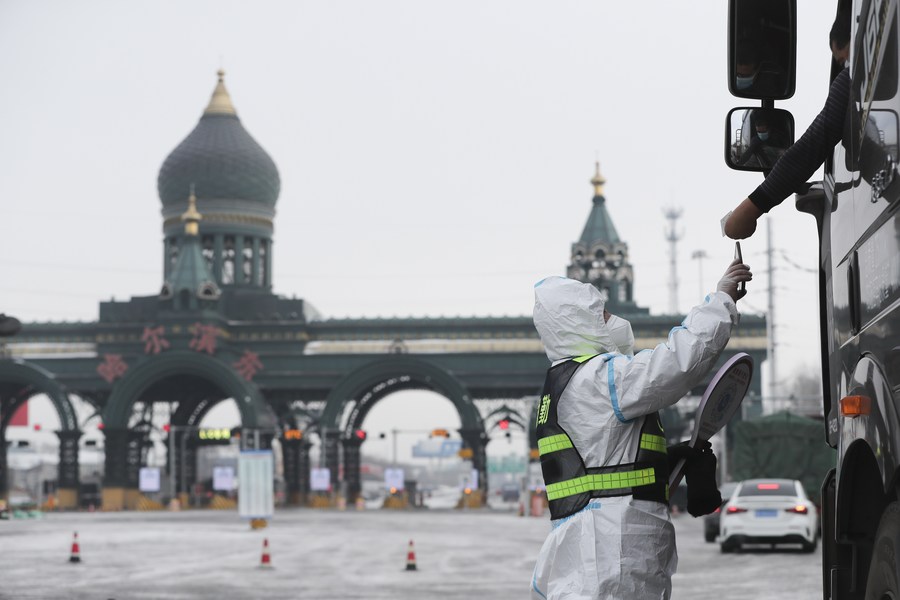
735, 274
681, 450
703, 495
742, 222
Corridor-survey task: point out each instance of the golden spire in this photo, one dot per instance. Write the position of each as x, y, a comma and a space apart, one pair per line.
597, 181
191, 217
220, 103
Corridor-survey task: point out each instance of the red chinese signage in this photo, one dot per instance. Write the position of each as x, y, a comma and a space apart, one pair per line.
204, 338
153, 339
112, 367
248, 365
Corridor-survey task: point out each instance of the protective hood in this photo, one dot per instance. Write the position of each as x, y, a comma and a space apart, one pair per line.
568, 315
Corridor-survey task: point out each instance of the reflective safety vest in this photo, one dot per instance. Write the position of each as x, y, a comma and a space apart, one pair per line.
569, 483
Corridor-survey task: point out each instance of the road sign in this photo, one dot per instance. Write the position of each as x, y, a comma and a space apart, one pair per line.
256, 484
213, 437
508, 464
223, 479
148, 479
720, 401
320, 479
393, 479
469, 482
436, 448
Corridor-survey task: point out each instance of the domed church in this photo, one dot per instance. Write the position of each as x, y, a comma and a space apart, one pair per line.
235, 183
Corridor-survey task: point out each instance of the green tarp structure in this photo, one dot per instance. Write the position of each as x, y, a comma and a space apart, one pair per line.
782, 445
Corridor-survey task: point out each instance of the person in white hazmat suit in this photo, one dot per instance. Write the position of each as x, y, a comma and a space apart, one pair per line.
601, 442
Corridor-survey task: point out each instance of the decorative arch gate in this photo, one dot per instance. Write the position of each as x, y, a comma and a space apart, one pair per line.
370, 383
197, 382
19, 381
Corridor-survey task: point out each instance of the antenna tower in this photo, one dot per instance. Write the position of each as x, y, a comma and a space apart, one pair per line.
672, 214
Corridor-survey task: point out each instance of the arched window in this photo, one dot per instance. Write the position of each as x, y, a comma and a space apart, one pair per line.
208, 250
248, 260
228, 255
263, 253
173, 253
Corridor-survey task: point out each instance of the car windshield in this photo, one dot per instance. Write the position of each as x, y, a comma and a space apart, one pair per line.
768, 488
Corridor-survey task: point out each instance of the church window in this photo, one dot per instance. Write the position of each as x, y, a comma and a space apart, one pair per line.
248, 260
261, 273
228, 260
173, 252
208, 251
208, 291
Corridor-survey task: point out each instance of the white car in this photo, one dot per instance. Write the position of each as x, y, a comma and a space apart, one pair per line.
769, 511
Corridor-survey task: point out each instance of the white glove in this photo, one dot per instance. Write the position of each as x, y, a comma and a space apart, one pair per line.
735, 274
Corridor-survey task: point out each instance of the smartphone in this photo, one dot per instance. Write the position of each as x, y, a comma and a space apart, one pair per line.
737, 255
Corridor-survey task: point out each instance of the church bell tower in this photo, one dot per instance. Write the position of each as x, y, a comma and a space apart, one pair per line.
600, 258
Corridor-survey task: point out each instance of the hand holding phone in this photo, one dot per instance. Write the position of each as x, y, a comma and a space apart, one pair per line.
737, 255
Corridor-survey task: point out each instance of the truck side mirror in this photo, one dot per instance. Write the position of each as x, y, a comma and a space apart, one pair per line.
755, 138
762, 48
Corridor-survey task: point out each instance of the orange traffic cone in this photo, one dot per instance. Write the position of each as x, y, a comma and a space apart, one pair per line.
266, 561
411, 558
75, 556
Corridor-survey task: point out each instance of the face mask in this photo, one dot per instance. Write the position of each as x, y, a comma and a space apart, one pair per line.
763, 136
743, 83
621, 334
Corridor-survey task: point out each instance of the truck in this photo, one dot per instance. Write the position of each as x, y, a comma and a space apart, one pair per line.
855, 211
781, 445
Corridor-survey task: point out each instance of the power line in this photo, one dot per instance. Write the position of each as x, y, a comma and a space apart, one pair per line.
78, 267
786, 259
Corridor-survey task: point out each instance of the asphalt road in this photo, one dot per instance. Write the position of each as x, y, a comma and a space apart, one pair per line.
341, 555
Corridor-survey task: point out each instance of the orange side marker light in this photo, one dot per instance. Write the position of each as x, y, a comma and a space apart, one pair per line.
854, 406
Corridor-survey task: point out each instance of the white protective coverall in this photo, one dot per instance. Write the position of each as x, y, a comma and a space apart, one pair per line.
617, 547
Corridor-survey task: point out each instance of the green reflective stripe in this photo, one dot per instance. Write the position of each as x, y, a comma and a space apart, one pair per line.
553, 443
601, 482
581, 359
656, 443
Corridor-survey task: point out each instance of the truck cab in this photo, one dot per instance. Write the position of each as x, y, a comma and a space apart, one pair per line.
855, 211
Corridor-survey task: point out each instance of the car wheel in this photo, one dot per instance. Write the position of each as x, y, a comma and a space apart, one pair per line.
810, 546
709, 536
882, 582
727, 546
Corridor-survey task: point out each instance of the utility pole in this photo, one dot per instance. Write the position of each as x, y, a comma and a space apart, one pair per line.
672, 236
770, 317
699, 255
394, 456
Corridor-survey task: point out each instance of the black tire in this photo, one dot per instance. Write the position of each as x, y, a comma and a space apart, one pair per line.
810, 547
883, 582
709, 536
727, 546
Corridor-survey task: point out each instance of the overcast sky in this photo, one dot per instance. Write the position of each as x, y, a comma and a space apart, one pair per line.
434, 156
